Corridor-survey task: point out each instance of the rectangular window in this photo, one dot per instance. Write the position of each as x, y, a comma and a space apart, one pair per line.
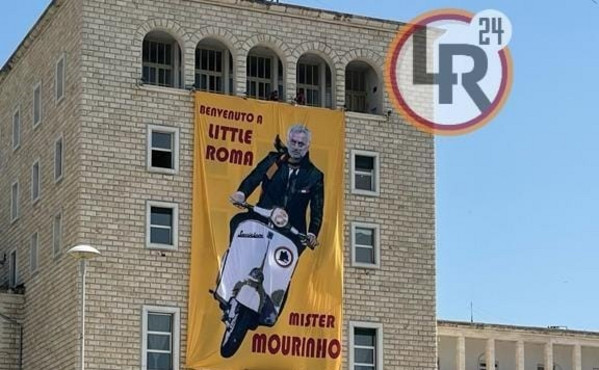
163, 148
14, 201
210, 70
35, 181
37, 104
161, 230
58, 158
158, 62
366, 346
59, 79
13, 269
308, 82
260, 76
57, 234
365, 245
160, 342
365, 172
355, 91
16, 129
34, 252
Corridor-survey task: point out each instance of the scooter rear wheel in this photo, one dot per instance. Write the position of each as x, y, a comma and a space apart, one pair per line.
240, 320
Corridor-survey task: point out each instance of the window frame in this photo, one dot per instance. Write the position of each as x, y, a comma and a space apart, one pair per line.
376, 172
227, 69
34, 251
175, 333
62, 58
378, 327
13, 274
33, 105
175, 225
35, 199
14, 216
356, 95
306, 86
57, 252
60, 139
175, 150
16, 144
376, 247
275, 72
176, 66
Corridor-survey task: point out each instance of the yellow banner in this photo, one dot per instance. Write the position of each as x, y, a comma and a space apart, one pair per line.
266, 274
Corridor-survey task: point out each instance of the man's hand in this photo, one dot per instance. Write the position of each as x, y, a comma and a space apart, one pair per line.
237, 198
312, 241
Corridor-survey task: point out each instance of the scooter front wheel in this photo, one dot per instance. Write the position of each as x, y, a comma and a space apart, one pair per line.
238, 323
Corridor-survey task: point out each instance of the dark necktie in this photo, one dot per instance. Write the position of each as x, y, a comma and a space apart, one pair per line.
291, 185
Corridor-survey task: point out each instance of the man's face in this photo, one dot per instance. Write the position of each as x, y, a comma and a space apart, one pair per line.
298, 145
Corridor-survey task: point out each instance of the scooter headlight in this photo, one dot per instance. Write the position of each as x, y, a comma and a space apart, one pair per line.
279, 217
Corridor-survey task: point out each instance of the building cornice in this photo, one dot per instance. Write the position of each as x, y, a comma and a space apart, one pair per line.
445, 326
307, 13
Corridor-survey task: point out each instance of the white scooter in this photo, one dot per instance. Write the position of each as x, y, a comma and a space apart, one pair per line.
255, 273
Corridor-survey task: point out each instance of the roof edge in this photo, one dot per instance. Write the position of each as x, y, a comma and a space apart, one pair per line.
338, 16
44, 19
482, 325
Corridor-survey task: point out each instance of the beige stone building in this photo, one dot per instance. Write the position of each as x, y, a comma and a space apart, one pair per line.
96, 124
471, 346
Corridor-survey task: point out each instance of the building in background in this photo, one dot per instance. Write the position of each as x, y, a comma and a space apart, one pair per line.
471, 346
96, 145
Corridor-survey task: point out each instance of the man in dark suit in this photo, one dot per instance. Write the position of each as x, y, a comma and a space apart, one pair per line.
289, 181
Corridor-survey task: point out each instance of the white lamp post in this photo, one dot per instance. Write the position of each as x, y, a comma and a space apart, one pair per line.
83, 253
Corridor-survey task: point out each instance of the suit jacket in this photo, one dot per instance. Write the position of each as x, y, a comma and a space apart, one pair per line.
284, 191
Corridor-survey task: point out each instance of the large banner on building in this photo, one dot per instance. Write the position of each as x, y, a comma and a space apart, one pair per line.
265, 286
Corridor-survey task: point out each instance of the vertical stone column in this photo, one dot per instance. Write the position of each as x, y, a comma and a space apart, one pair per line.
490, 354
460, 353
322, 75
520, 355
549, 356
576, 357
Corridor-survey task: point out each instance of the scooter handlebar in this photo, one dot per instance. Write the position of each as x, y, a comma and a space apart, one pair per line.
305, 239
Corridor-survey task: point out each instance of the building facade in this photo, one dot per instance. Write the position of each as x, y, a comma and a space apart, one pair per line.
87, 98
471, 346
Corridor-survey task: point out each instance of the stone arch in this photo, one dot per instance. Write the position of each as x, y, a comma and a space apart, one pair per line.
327, 54
279, 47
367, 56
224, 37
319, 48
217, 33
168, 26
374, 61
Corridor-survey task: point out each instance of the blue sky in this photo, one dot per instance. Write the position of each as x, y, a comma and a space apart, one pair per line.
517, 200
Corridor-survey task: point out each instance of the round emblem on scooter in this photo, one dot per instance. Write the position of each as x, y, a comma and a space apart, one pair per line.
283, 256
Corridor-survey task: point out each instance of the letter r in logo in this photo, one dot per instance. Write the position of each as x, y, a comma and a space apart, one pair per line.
446, 78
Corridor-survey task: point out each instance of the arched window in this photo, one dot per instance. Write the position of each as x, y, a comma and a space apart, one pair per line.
362, 88
214, 67
264, 74
314, 82
161, 60
482, 363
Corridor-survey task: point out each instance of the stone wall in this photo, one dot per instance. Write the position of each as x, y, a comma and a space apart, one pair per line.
50, 309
